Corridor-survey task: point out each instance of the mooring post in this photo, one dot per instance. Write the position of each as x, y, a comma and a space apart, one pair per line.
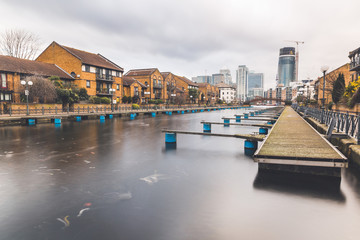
238, 118
110, 116
132, 116
251, 114
246, 115
57, 120
31, 122
250, 147
263, 131
170, 138
226, 122
78, 118
102, 118
207, 127
153, 114
170, 113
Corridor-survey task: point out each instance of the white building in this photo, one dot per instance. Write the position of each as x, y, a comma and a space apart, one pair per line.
242, 82
227, 92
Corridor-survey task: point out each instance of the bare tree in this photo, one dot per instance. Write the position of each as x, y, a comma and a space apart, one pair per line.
43, 90
20, 44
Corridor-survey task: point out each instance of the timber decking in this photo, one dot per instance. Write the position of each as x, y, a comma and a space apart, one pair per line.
292, 138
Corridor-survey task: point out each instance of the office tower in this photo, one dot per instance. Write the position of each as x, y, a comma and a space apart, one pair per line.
286, 67
218, 78
227, 75
202, 79
255, 85
241, 82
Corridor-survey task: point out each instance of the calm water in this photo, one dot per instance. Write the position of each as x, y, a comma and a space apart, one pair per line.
129, 186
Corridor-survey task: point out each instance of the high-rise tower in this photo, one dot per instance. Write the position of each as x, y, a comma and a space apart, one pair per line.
242, 82
286, 67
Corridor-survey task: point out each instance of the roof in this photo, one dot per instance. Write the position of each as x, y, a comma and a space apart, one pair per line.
188, 81
18, 65
93, 59
223, 85
165, 74
203, 84
127, 81
179, 90
352, 53
141, 72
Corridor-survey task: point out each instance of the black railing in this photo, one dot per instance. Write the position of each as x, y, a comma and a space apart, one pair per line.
346, 123
104, 77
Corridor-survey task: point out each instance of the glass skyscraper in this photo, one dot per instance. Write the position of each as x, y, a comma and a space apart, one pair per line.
286, 67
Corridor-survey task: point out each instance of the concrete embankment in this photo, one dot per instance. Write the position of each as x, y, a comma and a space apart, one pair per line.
348, 146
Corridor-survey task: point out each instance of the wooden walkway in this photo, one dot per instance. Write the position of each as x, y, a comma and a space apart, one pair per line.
293, 145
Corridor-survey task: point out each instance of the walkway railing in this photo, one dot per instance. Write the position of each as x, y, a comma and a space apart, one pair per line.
90, 110
346, 123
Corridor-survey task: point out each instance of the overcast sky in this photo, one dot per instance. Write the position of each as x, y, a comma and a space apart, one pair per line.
191, 37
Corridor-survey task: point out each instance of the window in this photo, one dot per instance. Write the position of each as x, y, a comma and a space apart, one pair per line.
136, 91
117, 87
87, 68
87, 83
117, 73
3, 80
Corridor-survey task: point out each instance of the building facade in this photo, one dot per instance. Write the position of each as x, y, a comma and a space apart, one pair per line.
242, 82
227, 92
227, 75
286, 66
93, 72
255, 85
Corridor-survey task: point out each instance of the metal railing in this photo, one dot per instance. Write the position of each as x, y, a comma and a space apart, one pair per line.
94, 110
104, 77
346, 123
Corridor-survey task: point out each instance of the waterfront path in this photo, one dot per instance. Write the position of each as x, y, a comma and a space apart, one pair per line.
294, 145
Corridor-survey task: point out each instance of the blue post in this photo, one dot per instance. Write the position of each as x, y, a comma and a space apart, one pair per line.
226, 122
250, 147
170, 138
256, 112
251, 114
202, 110
187, 110
170, 113
207, 127
263, 131
102, 118
246, 115
78, 118
192, 111
238, 118
269, 122
208, 110
111, 116
178, 111
57, 120
182, 112
153, 114
132, 116
31, 122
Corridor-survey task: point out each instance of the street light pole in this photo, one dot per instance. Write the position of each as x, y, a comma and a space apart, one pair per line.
112, 94
27, 83
324, 69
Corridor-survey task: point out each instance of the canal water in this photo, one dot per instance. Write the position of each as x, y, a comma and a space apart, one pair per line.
116, 180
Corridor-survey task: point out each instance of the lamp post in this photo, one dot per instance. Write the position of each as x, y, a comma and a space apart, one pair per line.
323, 70
27, 83
112, 91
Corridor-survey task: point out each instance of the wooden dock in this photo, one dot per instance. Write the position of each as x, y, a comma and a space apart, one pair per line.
294, 146
251, 119
240, 124
252, 137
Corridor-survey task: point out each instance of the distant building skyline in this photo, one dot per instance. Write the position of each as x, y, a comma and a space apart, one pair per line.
255, 85
241, 82
286, 67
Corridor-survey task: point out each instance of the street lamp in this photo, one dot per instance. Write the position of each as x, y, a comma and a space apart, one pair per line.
112, 91
191, 99
26, 83
323, 70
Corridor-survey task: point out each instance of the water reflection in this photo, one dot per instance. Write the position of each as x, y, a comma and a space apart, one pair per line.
299, 184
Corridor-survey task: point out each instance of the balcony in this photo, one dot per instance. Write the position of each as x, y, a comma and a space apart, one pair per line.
103, 92
157, 85
355, 65
104, 77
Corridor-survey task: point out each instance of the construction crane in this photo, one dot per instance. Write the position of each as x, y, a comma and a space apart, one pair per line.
296, 57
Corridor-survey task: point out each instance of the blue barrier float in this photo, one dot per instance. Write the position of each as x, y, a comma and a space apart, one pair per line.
207, 127
263, 131
78, 118
226, 122
111, 116
246, 115
57, 120
238, 118
250, 147
153, 114
31, 122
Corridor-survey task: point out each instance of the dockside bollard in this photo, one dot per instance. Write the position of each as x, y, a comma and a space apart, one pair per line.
238, 118
102, 119
246, 115
251, 114
132, 116
250, 147
182, 112
111, 116
170, 113
207, 127
170, 140
78, 118
263, 131
31, 122
153, 114
226, 122
192, 111
57, 120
